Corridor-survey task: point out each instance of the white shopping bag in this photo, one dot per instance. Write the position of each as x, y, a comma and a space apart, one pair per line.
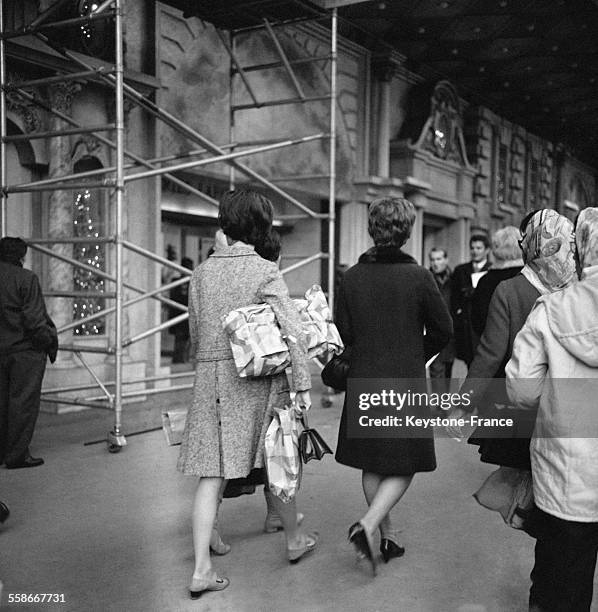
281, 454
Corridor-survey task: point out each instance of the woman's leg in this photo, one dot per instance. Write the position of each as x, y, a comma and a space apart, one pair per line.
370, 483
217, 546
205, 506
295, 538
386, 494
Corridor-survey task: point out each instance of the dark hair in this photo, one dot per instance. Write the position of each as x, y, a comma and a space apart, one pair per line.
245, 215
270, 247
390, 221
187, 262
480, 238
12, 250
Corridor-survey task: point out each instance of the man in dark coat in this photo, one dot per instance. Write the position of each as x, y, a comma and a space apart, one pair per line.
442, 367
27, 337
464, 280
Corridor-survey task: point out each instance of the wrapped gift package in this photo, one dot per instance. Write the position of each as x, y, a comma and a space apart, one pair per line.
258, 347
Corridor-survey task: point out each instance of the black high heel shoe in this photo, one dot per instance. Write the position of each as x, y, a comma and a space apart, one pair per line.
359, 538
390, 550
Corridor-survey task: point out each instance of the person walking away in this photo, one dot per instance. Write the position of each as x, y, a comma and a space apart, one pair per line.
441, 368
507, 262
384, 302
549, 266
554, 367
228, 418
464, 280
27, 338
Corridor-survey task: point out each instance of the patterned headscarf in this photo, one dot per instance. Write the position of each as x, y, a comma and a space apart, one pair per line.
586, 237
547, 247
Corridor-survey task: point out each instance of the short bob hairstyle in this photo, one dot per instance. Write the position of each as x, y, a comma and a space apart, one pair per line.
391, 221
246, 215
505, 244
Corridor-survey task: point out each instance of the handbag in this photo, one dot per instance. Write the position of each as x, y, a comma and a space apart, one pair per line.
509, 492
173, 425
257, 343
281, 455
336, 371
311, 443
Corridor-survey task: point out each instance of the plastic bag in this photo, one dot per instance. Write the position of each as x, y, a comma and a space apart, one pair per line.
281, 455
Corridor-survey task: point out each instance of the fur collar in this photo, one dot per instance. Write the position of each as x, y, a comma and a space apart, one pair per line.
386, 255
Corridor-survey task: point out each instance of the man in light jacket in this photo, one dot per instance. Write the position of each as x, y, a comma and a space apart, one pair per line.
555, 367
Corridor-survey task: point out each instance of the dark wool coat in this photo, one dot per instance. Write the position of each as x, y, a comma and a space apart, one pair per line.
447, 354
510, 305
383, 305
461, 291
480, 300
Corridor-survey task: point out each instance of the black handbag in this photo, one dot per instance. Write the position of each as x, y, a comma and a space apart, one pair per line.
336, 371
311, 443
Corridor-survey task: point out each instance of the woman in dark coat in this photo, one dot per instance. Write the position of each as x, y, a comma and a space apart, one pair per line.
384, 304
507, 264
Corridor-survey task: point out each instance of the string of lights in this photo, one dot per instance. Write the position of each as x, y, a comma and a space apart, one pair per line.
92, 254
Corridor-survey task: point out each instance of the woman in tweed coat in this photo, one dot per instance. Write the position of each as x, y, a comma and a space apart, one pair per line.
227, 421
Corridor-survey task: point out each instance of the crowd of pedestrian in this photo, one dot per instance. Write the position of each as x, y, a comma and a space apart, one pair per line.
522, 315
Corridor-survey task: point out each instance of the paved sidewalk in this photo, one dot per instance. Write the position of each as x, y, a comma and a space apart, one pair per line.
112, 531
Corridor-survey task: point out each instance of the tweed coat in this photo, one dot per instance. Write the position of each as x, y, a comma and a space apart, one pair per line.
228, 417
384, 303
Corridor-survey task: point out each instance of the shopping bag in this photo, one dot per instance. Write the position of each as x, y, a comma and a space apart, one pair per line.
509, 492
311, 443
173, 424
257, 343
281, 455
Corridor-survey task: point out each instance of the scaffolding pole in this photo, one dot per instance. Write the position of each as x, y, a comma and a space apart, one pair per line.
114, 77
3, 162
116, 439
332, 182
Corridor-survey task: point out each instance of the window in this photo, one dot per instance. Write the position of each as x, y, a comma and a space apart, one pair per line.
89, 222
534, 184
501, 184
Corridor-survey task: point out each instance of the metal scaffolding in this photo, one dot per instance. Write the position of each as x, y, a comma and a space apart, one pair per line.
115, 178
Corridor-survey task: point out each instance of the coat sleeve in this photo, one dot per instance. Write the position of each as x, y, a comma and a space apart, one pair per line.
527, 368
37, 324
274, 292
492, 351
342, 317
437, 319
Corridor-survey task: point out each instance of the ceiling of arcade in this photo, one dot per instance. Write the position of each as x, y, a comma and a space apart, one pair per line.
534, 62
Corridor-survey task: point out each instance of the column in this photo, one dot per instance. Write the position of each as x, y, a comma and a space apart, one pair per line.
384, 67
354, 232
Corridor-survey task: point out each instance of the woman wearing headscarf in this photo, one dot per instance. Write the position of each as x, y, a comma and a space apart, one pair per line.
546, 244
555, 368
384, 302
228, 418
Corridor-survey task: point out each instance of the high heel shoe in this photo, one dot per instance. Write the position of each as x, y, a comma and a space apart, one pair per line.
363, 545
199, 586
311, 541
217, 546
390, 550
